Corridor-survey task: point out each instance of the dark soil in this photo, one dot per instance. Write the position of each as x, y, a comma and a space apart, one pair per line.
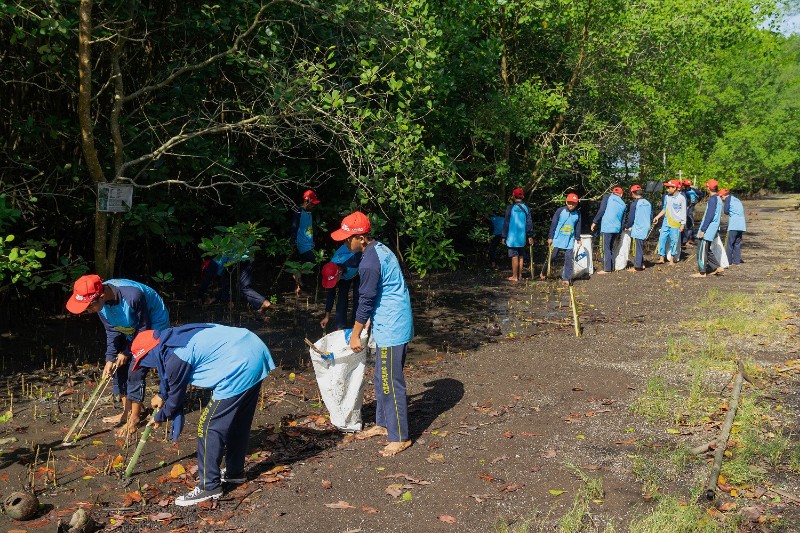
503, 399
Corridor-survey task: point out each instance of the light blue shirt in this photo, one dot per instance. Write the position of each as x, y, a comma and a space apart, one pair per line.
305, 232
225, 359
341, 256
612, 218
642, 219
736, 220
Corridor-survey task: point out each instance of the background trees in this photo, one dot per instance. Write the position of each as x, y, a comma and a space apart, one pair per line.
422, 112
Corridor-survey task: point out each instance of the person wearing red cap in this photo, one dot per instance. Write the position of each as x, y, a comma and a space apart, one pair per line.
737, 225
517, 229
674, 207
338, 276
125, 308
384, 300
640, 216
302, 233
609, 217
707, 262
225, 266
691, 201
232, 362
565, 232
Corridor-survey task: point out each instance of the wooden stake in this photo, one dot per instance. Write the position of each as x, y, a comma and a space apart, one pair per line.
725, 433
575, 320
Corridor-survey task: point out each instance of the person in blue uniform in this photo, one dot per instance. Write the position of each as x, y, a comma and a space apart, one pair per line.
125, 308
565, 231
640, 216
691, 200
517, 232
707, 262
301, 234
609, 218
385, 302
496, 224
339, 278
232, 362
220, 267
737, 225
674, 210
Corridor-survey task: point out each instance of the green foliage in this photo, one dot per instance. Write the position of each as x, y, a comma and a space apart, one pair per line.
234, 244
429, 251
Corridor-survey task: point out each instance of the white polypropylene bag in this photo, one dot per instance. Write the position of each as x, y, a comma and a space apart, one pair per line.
719, 252
622, 249
341, 378
582, 257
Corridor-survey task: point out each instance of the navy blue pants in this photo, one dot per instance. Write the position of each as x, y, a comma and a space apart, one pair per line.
391, 409
707, 262
129, 384
224, 429
734, 246
567, 271
638, 253
342, 304
608, 250
245, 280
688, 229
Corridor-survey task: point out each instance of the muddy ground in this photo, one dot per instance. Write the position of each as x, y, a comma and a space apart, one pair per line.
501, 423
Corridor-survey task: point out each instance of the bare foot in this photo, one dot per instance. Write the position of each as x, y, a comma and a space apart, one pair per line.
512, 278
565, 283
126, 431
116, 419
718, 271
264, 307
542, 277
660, 261
630, 269
393, 448
603, 272
698, 275
374, 431
671, 262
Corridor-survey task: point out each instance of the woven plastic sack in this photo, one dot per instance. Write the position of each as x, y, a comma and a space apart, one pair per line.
340, 377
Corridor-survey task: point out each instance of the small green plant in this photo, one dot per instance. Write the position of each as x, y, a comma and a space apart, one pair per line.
162, 278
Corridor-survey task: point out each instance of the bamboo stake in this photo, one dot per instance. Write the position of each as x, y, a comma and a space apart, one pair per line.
725, 432
100, 385
530, 255
575, 319
139, 448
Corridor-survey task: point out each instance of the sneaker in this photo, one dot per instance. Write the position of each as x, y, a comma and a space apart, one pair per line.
198, 495
238, 480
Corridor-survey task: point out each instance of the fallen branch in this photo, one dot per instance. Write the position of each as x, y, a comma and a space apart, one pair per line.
725, 433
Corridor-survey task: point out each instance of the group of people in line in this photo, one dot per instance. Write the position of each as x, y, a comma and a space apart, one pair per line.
233, 362
515, 229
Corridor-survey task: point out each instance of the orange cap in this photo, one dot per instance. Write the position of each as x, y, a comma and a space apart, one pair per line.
353, 224
85, 290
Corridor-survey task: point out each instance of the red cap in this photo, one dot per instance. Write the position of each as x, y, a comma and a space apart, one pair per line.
712, 184
724, 192
141, 346
673, 183
572, 198
518, 193
330, 275
688, 183
354, 224
617, 190
85, 290
636, 188
311, 195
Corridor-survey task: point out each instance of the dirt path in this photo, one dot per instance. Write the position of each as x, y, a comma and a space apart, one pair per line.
501, 424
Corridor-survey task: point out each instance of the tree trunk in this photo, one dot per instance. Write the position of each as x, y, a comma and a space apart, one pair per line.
105, 245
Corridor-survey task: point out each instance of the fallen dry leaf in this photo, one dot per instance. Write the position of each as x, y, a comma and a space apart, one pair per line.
487, 477
410, 479
369, 510
326, 484
549, 454
555, 492
341, 504
498, 459
394, 490
627, 442
727, 506
512, 487
435, 458
508, 435
160, 516
529, 434
447, 519
177, 471
591, 467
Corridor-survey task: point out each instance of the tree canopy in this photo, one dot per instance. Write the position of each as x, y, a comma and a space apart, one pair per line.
423, 113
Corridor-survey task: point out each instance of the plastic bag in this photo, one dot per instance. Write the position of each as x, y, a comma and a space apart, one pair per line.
622, 249
340, 376
719, 252
582, 257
